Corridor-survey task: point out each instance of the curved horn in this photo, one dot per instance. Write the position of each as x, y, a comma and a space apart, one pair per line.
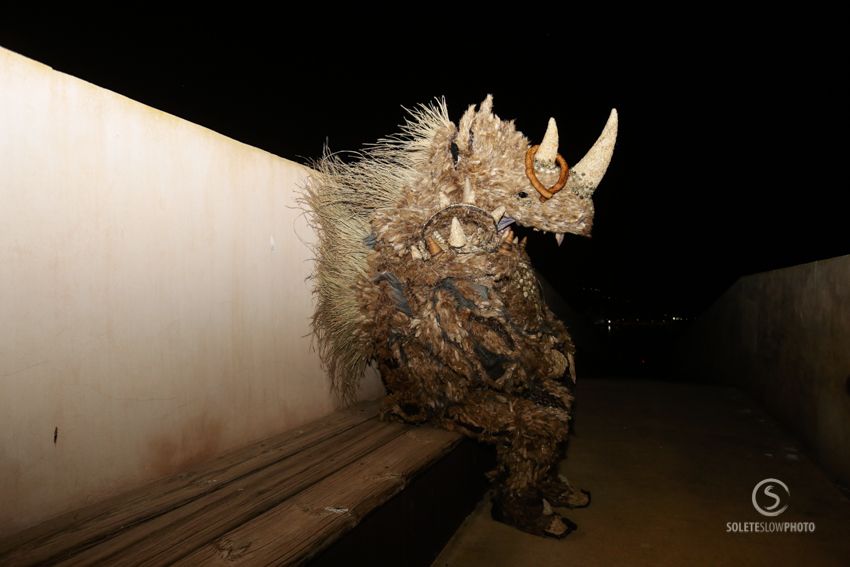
548, 151
586, 174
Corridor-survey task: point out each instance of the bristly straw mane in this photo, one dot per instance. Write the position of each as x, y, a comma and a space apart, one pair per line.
342, 198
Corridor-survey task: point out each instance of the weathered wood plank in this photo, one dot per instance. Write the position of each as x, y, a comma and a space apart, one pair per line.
82, 529
308, 523
166, 538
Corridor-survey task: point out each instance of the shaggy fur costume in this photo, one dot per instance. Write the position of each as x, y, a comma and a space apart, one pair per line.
418, 271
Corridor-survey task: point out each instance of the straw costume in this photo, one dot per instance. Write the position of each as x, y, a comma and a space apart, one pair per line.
419, 272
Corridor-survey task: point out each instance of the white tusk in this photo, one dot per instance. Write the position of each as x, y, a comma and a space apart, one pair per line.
468, 193
586, 175
548, 150
559, 237
498, 213
444, 200
457, 239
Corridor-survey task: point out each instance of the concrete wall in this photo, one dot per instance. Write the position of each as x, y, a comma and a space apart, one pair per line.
154, 307
785, 336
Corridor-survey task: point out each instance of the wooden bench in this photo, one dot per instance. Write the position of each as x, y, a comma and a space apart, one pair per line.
284, 500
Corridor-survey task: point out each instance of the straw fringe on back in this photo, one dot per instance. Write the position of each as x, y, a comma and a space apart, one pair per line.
342, 198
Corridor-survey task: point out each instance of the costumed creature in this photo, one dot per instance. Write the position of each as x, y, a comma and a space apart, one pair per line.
418, 270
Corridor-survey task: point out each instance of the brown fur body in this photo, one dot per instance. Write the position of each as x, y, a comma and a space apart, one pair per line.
416, 273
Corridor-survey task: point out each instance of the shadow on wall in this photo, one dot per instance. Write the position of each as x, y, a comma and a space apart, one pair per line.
783, 336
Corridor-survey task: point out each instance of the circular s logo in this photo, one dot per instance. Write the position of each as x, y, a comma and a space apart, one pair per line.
769, 493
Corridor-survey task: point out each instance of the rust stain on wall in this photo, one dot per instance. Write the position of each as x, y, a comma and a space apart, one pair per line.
197, 441
11, 475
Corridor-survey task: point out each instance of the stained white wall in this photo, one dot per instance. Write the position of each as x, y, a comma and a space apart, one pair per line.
154, 302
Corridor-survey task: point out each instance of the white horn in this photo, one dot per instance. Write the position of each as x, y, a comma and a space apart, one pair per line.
548, 150
457, 239
468, 193
586, 174
498, 213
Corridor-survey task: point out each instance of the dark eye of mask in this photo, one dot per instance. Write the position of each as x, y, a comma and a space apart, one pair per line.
455, 152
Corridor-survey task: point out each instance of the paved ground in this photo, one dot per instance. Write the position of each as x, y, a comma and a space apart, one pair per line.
669, 465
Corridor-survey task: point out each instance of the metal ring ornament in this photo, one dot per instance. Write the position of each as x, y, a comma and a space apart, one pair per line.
545, 193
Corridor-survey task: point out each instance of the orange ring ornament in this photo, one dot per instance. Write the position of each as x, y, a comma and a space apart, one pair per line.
545, 194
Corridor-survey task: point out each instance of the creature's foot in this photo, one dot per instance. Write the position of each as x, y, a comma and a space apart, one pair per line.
560, 492
531, 514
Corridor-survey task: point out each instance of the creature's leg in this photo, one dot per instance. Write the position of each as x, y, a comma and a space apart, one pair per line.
529, 437
418, 385
555, 487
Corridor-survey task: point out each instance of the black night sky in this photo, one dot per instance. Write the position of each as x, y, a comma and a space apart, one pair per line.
730, 160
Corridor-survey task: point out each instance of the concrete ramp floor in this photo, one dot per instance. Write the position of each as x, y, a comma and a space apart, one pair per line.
670, 466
